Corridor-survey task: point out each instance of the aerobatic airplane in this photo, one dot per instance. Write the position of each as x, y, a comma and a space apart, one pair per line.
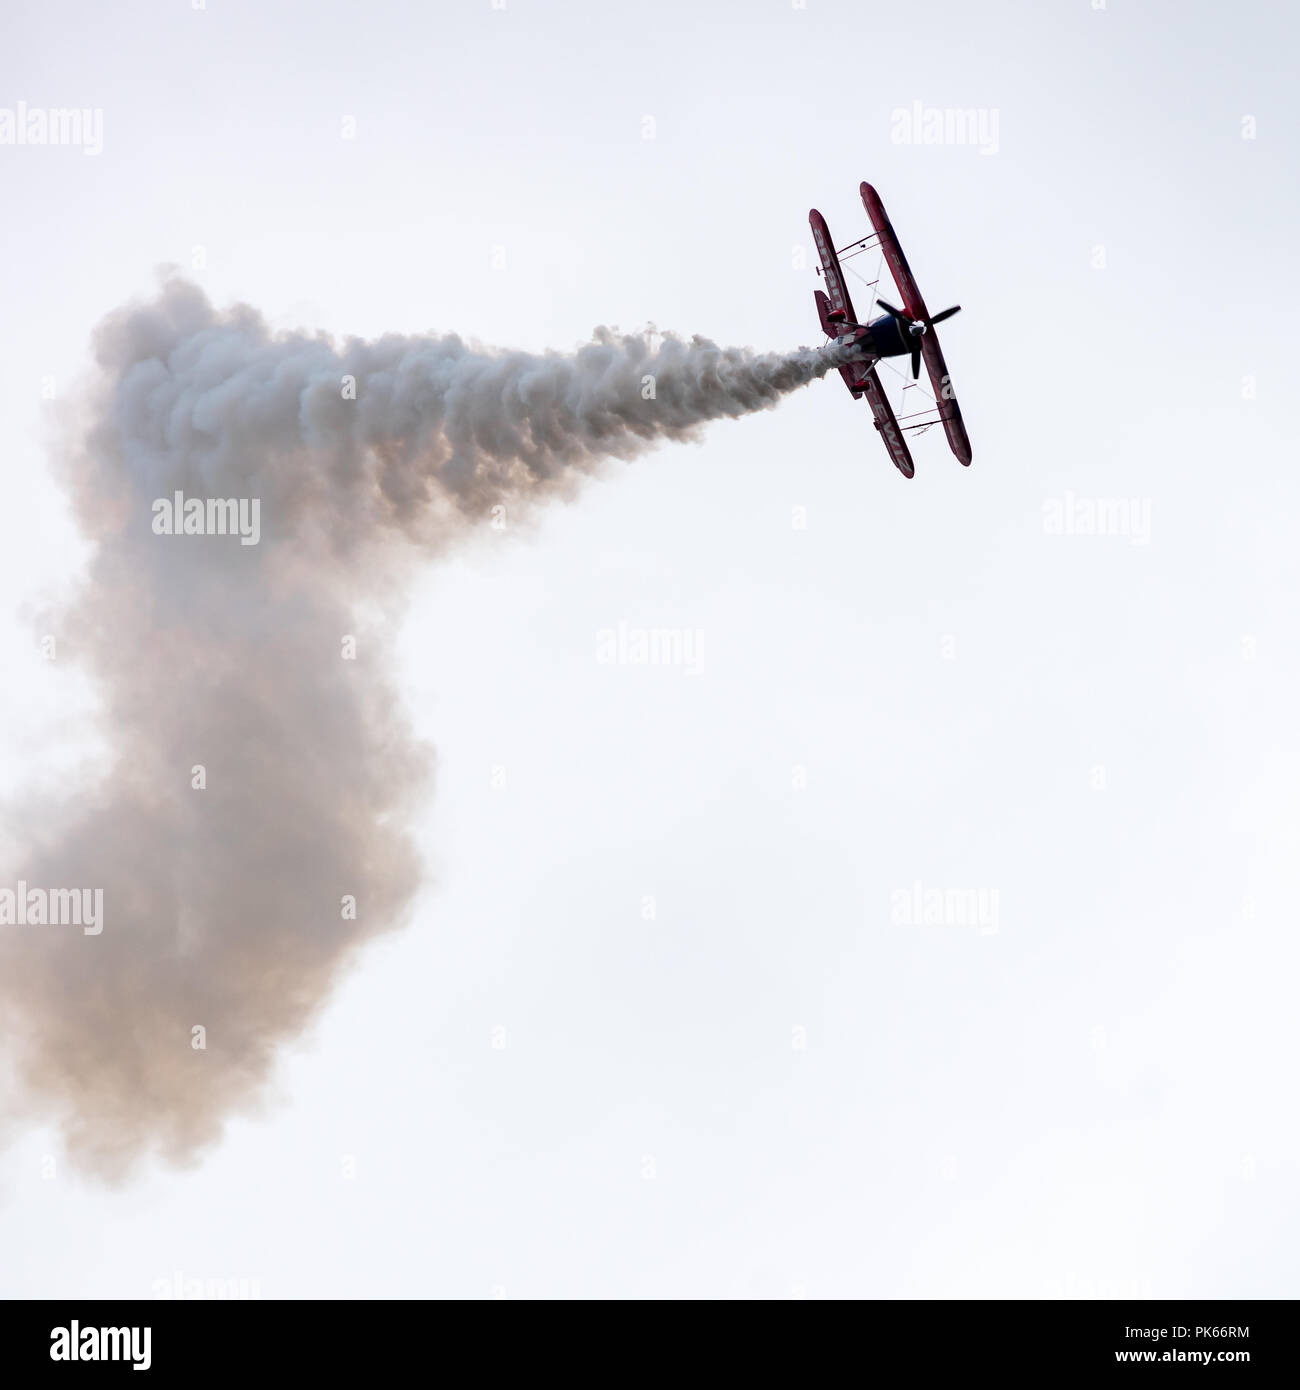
905, 332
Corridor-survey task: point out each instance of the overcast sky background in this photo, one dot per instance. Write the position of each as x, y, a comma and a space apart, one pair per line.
774, 1087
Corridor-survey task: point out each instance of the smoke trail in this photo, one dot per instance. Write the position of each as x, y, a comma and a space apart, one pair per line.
261, 769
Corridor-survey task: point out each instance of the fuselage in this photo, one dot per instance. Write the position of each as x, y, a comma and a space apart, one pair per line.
883, 337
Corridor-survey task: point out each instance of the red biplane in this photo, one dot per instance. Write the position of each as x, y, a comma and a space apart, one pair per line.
905, 332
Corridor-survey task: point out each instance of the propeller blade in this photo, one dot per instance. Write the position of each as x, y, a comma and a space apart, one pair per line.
916, 363
889, 309
947, 314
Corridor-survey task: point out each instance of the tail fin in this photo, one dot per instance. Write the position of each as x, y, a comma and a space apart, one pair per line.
832, 330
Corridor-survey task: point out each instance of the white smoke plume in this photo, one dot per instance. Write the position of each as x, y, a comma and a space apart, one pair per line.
261, 772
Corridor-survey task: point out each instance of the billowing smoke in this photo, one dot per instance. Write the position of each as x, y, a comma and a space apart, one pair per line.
247, 831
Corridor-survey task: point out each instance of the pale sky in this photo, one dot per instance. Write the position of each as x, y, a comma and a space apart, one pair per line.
777, 1085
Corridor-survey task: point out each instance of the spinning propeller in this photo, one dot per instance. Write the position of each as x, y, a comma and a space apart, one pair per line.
917, 327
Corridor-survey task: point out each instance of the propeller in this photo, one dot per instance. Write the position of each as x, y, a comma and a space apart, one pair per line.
916, 327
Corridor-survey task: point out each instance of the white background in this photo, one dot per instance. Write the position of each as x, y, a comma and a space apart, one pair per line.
1097, 1098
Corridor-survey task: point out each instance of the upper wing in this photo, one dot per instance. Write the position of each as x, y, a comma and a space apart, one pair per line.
949, 410
898, 265
887, 424
833, 275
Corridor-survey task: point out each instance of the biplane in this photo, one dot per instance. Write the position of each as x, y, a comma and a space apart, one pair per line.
906, 332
